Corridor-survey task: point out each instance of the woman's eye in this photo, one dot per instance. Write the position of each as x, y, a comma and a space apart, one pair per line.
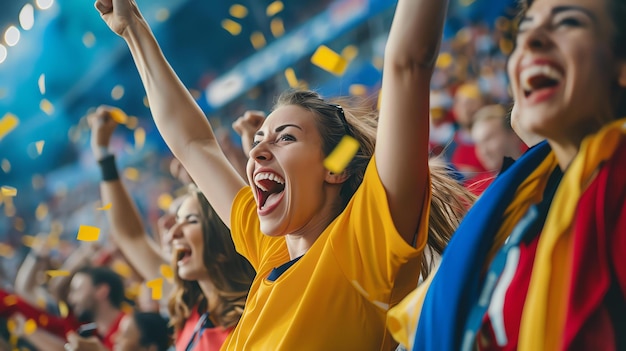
255, 143
286, 137
570, 22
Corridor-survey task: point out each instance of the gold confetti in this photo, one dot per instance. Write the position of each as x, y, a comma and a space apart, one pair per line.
42, 84
47, 107
277, 27
63, 310
292, 80
131, 174
358, 90
238, 11
11, 326
117, 92
30, 326
140, 138
167, 272
258, 40
105, 207
444, 60
156, 285
329, 60
29, 240
231, 27
162, 15
43, 320
132, 122
39, 146
350, 52
122, 269
10, 300
57, 273
41, 212
9, 210
118, 115
6, 251
6, 165
341, 156
165, 201
146, 103
88, 233
18, 224
132, 291
89, 39
274, 8
8, 191
7, 124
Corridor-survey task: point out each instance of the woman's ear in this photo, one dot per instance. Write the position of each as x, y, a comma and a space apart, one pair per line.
336, 178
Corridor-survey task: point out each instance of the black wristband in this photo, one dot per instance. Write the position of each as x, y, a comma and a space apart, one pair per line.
108, 168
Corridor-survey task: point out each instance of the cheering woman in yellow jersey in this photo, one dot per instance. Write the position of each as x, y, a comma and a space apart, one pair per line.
332, 250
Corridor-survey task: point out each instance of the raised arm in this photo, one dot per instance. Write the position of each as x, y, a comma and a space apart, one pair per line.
127, 228
402, 139
35, 262
180, 121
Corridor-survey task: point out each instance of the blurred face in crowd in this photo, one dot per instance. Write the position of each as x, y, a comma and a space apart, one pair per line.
83, 297
188, 241
467, 101
563, 71
493, 141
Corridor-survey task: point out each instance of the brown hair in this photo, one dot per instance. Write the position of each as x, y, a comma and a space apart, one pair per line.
230, 273
450, 200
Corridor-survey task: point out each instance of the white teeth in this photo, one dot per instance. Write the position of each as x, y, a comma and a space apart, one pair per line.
540, 70
267, 175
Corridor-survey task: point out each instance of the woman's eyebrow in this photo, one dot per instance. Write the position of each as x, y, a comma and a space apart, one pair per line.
559, 9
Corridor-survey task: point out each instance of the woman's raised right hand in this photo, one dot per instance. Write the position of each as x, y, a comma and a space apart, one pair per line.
118, 14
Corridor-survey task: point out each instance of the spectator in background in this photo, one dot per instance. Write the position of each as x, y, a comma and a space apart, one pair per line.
467, 100
494, 140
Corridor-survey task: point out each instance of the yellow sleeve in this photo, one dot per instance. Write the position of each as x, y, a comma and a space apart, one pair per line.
246, 230
367, 246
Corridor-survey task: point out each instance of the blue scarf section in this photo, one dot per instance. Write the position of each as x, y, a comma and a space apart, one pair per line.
457, 283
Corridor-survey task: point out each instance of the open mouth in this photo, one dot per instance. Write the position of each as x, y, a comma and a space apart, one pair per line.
540, 78
269, 187
183, 255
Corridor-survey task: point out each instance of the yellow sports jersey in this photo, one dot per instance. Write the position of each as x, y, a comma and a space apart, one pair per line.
337, 295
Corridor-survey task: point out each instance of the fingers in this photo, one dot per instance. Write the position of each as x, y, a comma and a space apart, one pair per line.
104, 6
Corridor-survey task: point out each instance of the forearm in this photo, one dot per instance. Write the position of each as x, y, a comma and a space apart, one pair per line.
43, 340
25, 281
176, 114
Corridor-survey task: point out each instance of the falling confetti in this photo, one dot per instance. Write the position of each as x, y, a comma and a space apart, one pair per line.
63, 310
132, 122
156, 285
329, 60
89, 40
341, 156
57, 273
8, 191
42, 84
88, 233
7, 124
117, 92
292, 80
29, 240
164, 201
167, 272
118, 115
105, 207
41, 212
6, 165
10, 300
357, 90
131, 174
258, 40
122, 269
274, 8
6, 251
238, 11
140, 138
30, 326
350, 52
277, 27
47, 107
39, 145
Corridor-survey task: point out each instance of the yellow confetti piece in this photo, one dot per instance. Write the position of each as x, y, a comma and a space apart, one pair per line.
140, 138
132, 291
11, 326
9, 210
18, 224
341, 156
274, 8
277, 27
165, 201
57, 273
30, 326
6, 165
89, 40
10, 300
8, 191
43, 320
122, 269
39, 145
258, 40
29, 240
117, 92
7, 124
329, 60
118, 115
132, 122
350, 52
6, 251
162, 15
131, 174
42, 84
41, 212
63, 310
156, 285
105, 207
444, 60
292, 80
88, 233
46, 106
167, 272
238, 11
357, 90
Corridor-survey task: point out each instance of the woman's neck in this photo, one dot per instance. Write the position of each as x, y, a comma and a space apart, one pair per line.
210, 293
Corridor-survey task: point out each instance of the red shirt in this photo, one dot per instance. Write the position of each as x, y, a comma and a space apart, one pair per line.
108, 340
210, 339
